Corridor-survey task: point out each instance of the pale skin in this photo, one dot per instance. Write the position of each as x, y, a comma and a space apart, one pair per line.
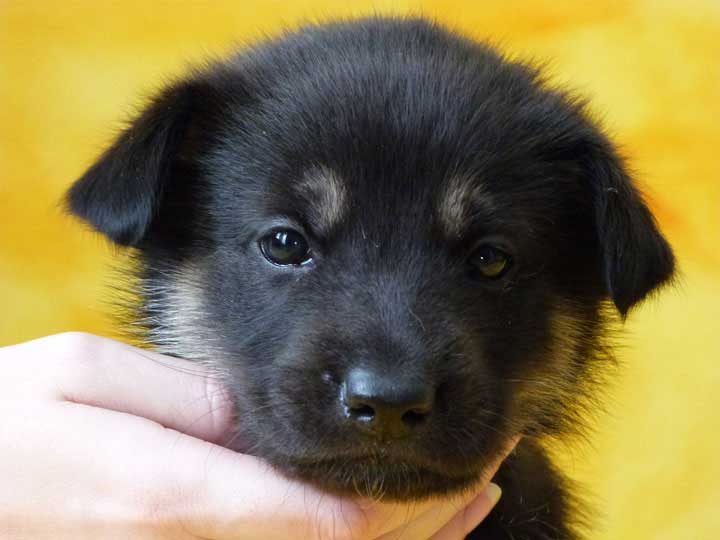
100, 440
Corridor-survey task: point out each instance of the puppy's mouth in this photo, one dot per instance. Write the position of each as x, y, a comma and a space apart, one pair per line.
378, 477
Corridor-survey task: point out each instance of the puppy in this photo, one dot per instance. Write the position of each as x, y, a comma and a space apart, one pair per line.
398, 248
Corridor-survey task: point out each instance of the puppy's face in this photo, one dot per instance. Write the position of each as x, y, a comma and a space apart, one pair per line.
393, 245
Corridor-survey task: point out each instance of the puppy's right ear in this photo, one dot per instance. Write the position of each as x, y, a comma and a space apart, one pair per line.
119, 195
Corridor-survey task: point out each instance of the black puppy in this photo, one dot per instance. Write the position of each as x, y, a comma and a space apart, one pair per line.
397, 247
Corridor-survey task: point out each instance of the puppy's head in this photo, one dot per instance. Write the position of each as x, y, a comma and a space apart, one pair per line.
394, 244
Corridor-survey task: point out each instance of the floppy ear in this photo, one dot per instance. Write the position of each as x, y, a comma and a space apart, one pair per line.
637, 259
119, 195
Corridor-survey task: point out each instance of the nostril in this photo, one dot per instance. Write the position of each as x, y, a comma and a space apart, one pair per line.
415, 417
361, 412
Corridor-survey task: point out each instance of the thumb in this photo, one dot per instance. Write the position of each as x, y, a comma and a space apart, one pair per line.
471, 516
91, 370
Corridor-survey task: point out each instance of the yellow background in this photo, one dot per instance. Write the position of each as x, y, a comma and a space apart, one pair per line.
71, 71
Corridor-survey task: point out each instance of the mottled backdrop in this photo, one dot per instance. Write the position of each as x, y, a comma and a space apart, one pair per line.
71, 71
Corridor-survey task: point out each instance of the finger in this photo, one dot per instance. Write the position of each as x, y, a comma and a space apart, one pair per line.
117, 466
442, 514
431, 519
471, 516
239, 497
265, 504
175, 393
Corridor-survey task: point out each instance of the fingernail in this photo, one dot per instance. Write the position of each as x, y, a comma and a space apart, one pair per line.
493, 492
479, 508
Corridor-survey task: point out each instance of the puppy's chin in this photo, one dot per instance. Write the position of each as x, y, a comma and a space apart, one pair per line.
377, 478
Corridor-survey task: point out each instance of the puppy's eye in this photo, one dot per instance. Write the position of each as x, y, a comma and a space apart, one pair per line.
285, 247
490, 262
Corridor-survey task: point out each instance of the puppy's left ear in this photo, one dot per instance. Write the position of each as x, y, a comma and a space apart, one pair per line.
636, 257
120, 194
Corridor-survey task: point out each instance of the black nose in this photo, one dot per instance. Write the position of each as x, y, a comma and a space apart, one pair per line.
386, 406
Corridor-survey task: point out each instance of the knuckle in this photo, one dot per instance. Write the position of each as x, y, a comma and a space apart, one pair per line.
70, 357
71, 362
50, 362
72, 344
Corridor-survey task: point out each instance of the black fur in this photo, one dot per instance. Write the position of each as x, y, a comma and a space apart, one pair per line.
398, 110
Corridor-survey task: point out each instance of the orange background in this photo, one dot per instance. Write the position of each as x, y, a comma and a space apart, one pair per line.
71, 71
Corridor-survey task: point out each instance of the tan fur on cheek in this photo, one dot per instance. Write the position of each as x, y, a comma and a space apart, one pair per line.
554, 395
178, 324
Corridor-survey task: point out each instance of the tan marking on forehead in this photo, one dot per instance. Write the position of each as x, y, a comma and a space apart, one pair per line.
456, 202
326, 197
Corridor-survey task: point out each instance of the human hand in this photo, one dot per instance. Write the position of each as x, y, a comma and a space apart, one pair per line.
100, 440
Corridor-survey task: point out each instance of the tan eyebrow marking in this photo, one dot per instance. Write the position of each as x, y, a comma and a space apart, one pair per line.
326, 197
456, 201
